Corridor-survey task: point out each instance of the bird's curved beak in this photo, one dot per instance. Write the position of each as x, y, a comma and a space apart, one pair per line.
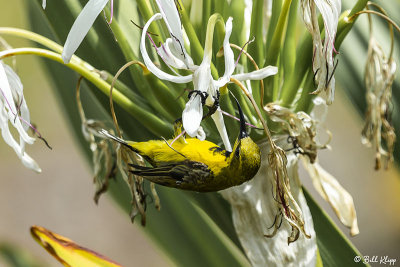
242, 132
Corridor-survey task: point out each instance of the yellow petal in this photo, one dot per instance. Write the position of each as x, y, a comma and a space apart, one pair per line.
67, 252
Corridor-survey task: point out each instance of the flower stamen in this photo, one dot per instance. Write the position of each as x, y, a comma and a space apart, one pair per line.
30, 125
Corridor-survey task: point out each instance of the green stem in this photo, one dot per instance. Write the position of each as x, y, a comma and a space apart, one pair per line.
146, 11
125, 90
276, 42
344, 25
122, 41
148, 119
275, 48
275, 12
196, 48
256, 49
167, 97
141, 85
289, 47
206, 14
236, 11
32, 37
306, 96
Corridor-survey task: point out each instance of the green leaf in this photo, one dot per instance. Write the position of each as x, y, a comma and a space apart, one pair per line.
17, 257
335, 249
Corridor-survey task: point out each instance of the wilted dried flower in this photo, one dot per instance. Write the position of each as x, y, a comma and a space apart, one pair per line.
302, 129
323, 62
108, 156
379, 76
330, 190
287, 205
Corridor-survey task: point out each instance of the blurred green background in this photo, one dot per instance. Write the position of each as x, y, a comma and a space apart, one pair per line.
61, 197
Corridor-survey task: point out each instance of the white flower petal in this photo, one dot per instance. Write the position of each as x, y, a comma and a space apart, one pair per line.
339, 199
30, 163
9, 139
257, 74
150, 65
192, 115
320, 110
248, 199
44, 4
172, 19
202, 78
330, 91
219, 122
228, 56
164, 51
81, 27
11, 91
201, 135
7, 98
17, 90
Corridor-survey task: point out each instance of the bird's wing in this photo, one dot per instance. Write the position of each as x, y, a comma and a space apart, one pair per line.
184, 174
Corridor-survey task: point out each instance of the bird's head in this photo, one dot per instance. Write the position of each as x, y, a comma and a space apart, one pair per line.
246, 153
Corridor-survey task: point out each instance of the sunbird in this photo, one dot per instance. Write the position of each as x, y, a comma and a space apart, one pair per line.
191, 164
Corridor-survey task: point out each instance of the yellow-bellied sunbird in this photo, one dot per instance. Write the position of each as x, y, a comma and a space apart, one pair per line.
195, 165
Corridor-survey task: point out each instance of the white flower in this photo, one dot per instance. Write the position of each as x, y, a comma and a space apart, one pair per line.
81, 27
323, 61
44, 4
174, 54
255, 209
14, 111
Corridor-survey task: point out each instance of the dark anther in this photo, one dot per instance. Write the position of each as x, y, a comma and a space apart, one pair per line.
216, 98
315, 75
178, 6
140, 27
327, 74
333, 72
279, 226
18, 109
45, 142
296, 147
179, 42
203, 95
276, 216
214, 107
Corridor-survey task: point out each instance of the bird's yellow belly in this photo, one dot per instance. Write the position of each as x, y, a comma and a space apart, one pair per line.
158, 152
